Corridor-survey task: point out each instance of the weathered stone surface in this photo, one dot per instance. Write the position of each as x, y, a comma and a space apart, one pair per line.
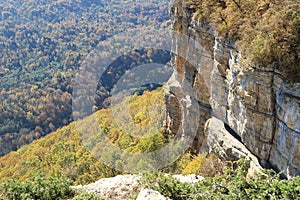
285, 151
191, 178
115, 188
219, 96
127, 187
288, 105
202, 92
147, 194
222, 143
257, 103
187, 94
286, 145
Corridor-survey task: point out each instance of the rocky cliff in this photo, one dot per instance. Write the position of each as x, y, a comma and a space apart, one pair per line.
257, 106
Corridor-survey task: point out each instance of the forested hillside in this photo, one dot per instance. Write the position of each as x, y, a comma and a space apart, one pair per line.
62, 152
42, 45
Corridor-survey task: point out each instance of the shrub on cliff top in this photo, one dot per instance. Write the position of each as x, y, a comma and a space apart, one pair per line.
43, 189
40, 188
232, 185
266, 31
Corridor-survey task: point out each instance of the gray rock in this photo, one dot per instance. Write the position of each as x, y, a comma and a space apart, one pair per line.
127, 186
191, 178
222, 143
146, 194
115, 188
257, 103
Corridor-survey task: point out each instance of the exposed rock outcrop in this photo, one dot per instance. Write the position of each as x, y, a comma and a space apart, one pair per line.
128, 187
188, 92
258, 104
285, 152
115, 188
221, 142
147, 194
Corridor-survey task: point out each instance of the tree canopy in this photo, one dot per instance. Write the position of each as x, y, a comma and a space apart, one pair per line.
267, 32
42, 45
66, 152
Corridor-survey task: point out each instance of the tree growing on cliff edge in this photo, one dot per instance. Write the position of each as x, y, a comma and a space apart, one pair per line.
266, 31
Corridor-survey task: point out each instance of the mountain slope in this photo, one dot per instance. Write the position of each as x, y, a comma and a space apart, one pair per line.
42, 46
62, 152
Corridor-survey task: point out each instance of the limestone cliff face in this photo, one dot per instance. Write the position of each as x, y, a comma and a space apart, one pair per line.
257, 104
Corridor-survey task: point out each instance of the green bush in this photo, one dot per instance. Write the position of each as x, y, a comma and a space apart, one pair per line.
167, 185
232, 185
40, 188
86, 196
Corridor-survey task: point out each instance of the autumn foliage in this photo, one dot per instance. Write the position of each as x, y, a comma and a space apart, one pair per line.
43, 44
267, 32
63, 154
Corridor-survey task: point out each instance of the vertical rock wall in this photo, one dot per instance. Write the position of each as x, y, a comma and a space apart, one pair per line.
257, 104
188, 92
285, 152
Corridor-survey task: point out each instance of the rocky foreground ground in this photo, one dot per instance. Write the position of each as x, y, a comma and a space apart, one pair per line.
124, 187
